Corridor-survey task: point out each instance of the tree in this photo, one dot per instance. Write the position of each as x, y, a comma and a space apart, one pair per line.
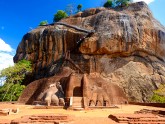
108, 3
14, 76
43, 23
122, 2
59, 15
70, 9
116, 3
79, 7
14, 91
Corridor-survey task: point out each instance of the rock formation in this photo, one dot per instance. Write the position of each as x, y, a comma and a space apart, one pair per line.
126, 50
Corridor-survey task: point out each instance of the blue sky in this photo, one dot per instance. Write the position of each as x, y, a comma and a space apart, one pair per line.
17, 17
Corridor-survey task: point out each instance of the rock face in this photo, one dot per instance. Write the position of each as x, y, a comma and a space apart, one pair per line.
127, 48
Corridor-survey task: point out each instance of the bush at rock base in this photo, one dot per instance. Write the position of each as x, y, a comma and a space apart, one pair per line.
11, 92
12, 79
158, 95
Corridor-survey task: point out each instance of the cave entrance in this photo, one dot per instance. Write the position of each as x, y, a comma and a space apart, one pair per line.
77, 92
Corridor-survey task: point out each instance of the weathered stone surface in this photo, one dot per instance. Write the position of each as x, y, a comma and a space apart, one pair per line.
137, 118
46, 119
127, 48
93, 89
53, 95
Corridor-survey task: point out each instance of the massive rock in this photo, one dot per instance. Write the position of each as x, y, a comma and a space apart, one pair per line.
127, 48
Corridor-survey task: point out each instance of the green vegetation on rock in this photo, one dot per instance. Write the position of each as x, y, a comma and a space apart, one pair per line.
43, 23
159, 95
79, 7
116, 3
108, 3
59, 15
13, 77
122, 2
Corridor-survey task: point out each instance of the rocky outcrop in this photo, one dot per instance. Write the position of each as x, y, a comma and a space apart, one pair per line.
127, 48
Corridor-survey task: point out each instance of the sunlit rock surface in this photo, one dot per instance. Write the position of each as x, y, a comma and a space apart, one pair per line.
127, 48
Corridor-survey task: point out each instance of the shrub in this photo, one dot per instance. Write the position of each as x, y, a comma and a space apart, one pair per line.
116, 3
14, 91
59, 15
108, 3
122, 2
159, 95
157, 98
43, 23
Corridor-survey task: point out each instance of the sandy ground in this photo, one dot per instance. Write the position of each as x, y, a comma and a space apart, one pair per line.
95, 116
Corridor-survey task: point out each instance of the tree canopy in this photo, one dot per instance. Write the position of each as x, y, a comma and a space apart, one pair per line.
122, 2
59, 15
13, 77
108, 3
116, 3
79, 7
16, 73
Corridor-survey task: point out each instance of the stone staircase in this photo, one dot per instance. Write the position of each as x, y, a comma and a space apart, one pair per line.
77, 102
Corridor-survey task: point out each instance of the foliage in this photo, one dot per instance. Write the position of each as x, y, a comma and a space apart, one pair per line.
116, 3
122, 2
13, 76
157, 98
59, 15
159, 95
108, 3
14, 91
43, 23
79, 7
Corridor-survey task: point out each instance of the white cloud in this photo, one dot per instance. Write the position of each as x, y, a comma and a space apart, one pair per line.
6, 55
6, 60
5, 47
147, 1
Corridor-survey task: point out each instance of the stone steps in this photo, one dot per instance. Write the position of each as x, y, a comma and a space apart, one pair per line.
77, 102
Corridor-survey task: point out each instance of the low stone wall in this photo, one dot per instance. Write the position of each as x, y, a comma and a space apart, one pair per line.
148, 104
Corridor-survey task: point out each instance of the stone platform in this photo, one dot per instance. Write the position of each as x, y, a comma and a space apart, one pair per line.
137, 118
43, 119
